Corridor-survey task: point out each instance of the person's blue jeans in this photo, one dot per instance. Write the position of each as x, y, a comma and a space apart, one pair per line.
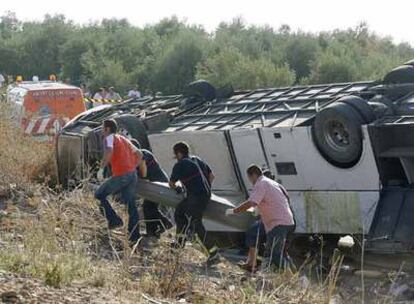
276, 252
126, 186
255, 235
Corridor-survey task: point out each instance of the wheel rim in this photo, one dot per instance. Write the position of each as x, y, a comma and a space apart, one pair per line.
337, 135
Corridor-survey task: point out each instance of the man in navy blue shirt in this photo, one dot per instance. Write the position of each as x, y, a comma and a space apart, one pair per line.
196, 176
155, 222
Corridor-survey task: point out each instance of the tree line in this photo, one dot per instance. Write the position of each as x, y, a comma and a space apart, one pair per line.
171, 53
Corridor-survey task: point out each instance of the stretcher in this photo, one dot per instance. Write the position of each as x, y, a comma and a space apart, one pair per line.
214, 216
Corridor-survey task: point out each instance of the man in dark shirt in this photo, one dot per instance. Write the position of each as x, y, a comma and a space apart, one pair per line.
156, 222
196, 176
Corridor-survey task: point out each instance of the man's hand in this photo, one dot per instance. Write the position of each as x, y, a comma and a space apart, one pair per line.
229, 212
143, 170
100, 174
107, 157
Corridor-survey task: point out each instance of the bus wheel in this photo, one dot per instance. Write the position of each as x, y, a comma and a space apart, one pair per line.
337, 134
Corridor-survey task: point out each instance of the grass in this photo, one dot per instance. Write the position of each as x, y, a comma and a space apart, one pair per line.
61, 238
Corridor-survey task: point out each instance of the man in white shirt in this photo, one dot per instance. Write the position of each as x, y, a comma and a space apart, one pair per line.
134, 93
272, 201
102, 94
112, 94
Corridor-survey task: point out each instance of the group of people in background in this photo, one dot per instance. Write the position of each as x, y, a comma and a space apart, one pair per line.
194, 177
109, 93
104, 93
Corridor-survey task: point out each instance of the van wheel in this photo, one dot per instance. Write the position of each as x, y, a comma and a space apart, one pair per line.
132, 127
337, 134
402, 74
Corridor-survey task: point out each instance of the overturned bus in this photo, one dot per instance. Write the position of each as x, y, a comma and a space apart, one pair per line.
344, 151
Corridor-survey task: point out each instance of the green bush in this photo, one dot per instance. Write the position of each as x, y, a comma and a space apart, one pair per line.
167, 55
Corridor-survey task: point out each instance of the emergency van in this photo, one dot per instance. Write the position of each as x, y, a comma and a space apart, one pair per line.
42, 108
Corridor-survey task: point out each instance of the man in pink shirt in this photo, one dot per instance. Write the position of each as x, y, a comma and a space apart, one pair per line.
272, 201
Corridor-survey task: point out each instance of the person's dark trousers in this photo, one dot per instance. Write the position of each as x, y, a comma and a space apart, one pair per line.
275, 246
255, 235
188, 218
156, 222
125, 185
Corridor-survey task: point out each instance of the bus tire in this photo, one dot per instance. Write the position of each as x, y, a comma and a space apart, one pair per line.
201, 89
132, 127
401, 74
337, 134
361, 106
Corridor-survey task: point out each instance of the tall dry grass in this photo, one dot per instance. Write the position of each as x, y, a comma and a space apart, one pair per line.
23, 159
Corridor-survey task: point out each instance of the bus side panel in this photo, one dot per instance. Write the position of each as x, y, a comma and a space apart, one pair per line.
334, 212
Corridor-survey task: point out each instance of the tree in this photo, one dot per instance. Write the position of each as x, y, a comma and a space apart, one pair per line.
9, 24
300, 53
167, 55
230, 66
71, 53
329, 68
177, 65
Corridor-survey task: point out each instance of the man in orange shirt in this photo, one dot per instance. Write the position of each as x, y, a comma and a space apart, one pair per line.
123, 157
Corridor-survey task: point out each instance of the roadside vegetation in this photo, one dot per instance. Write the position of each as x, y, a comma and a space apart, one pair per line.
167, 55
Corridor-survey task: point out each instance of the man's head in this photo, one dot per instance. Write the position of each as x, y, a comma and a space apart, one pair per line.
253, 173
109, 127
111, 89
181, 150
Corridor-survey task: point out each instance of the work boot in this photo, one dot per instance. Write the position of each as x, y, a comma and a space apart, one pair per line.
141, 245
116, 223
167, 224
249, 267
162, 228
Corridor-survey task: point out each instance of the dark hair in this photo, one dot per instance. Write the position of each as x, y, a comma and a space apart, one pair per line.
181, 147
254, 170
136, 143
268, 173
111, 124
